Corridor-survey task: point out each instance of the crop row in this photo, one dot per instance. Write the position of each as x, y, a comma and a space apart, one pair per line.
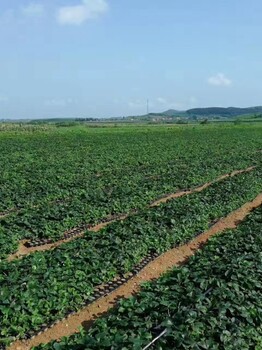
36, 224
45, 286
213, 302
77, 171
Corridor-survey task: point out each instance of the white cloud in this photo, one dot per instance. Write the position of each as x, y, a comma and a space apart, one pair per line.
78, 14
33, 10
219, 80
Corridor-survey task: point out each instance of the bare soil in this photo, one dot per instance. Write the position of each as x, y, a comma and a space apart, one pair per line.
23, 250
153, 270
200, 188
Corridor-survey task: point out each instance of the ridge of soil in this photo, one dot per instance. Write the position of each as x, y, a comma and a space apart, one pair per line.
23, 250
201, 188
153, 270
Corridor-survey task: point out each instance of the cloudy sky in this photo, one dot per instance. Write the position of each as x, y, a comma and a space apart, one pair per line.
107, 57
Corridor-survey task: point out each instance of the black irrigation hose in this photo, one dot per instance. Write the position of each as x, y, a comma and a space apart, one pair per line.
195, 188
72, 233
78, 231
99, 292
102, 290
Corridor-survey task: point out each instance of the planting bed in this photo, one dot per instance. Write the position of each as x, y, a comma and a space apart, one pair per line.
212, 302
59, 179
45, 286
96, 208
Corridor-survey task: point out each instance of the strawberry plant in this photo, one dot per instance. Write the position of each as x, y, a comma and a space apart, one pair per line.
52, 180
45, 285
212, 302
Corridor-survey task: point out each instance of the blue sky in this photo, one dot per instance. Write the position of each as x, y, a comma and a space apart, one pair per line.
67, 58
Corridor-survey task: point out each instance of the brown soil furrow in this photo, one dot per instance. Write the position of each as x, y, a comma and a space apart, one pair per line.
199, 188
153, 270
23, 250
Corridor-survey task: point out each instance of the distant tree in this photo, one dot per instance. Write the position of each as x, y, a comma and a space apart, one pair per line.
237, 122
181, 121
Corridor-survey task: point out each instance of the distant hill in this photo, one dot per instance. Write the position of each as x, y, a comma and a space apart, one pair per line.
173, 113
170, 116
229, 112
224, 112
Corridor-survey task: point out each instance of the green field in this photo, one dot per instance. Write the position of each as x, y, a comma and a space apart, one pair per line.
55, 179
214, 302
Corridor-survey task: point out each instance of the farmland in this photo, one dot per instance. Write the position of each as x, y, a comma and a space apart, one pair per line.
153, 189
214, 301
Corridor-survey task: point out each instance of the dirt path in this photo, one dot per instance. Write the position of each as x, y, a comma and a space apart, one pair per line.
200, 188
23, 250
153, 270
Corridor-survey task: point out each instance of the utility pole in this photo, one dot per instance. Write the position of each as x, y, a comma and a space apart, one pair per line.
147, 106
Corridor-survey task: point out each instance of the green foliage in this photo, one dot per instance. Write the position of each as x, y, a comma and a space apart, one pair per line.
42, 287
58, 179
224, 112
213, 302
55, 179
237, 121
